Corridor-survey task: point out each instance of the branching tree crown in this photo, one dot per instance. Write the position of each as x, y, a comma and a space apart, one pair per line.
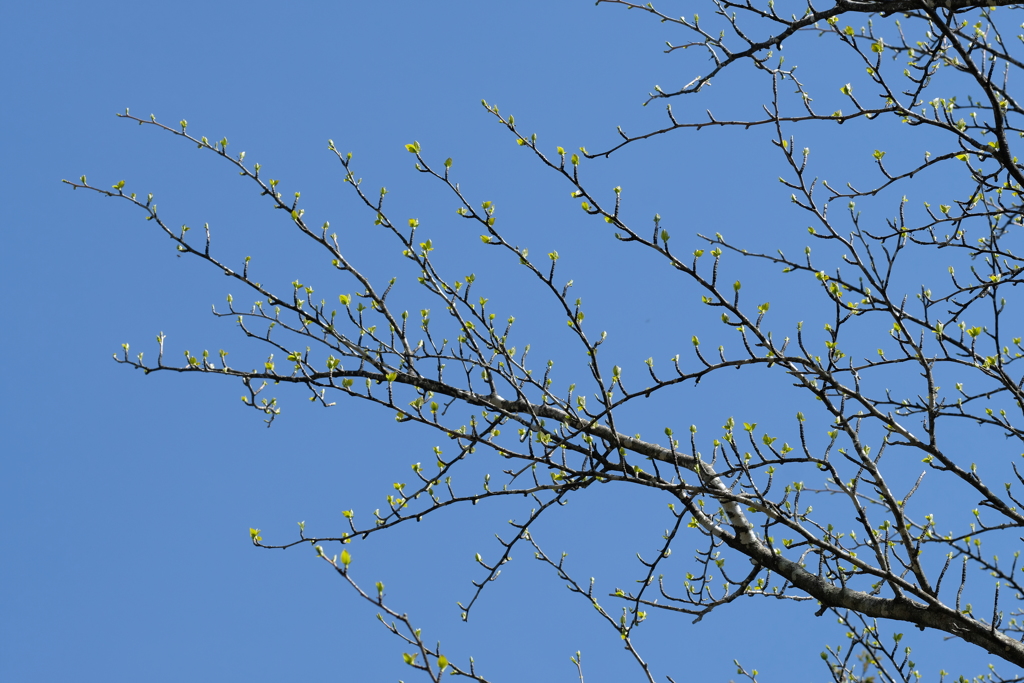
900, 372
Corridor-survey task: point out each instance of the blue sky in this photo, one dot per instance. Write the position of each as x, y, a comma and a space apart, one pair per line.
127, 499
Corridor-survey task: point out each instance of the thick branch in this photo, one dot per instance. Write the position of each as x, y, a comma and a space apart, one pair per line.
887, 7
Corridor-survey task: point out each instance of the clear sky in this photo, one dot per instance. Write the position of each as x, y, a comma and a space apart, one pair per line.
127, 499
